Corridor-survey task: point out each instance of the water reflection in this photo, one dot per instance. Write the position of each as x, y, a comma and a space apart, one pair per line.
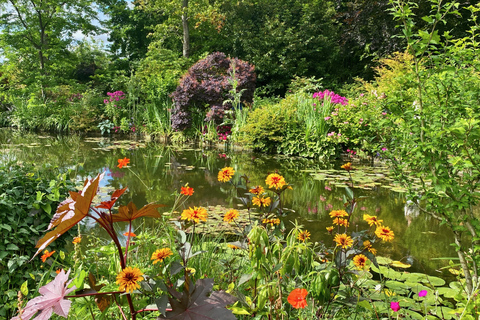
163, 170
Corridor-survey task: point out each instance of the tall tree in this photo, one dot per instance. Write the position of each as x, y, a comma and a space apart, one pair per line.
36, 35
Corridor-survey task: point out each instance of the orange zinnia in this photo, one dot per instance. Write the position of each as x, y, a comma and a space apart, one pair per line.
196, 214
123, 162
187, 191
275, 180
160, 254
230, 215
129, 234
384, 233
338, 214
372, 220
263, 201
226, 174
297, 298
77, 240
347, 166
343, 240
47, 255
258, 190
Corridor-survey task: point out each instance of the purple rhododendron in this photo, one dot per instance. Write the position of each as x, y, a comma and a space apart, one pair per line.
51, 300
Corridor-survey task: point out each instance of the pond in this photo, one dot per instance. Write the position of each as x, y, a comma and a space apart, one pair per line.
157, 171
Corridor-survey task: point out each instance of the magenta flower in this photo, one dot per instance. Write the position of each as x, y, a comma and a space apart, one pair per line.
395, 306
327, 118
422, 293
384, 149
51, 300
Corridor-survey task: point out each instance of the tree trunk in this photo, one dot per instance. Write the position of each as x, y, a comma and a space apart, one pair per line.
464, 264
186, 34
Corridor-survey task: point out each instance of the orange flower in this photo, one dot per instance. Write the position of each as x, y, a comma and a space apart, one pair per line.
360, 261
258, 190
123, 162
372, 220
47, 255
338, 214
271, 221
187, 191
368, 246
275, 180
297, 298
341, 222
129, 234
303, 236
263, 201
58, 271
230, 215
226, 174
330, 229
232, 246
128, 279
77, 240
384, 233
160, 254
347, 166
343, 240
196, 214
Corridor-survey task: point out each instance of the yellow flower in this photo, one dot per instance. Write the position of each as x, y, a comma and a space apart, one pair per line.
347, 166
263, 201
384, 233
338, 214
196, 214
330, 229
190, 270
230, 215
275, 180
160, 254
343, 240
226, 174
341, 222
271, 221
258, 190
128, 279
360, 261
303, 236
77, 240
372, 220
368, 246
232, 246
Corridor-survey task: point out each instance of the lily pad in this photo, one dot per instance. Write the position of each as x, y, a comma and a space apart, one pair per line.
447, 292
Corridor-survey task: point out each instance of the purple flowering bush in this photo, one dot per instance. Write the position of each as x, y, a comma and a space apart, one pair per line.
205, 87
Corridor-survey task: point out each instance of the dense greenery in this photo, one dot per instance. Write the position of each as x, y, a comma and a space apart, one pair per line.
28, 198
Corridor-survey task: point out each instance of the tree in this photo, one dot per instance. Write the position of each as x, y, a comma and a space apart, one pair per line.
36, 35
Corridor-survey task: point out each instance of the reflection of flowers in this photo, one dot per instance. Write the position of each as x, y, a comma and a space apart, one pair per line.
128, 279
51, 299
343, 240
160, 254
297, 298
384, 233
230, 215
226, 174
196, 214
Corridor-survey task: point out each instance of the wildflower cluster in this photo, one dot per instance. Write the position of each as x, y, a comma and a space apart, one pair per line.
117, 96
334, 98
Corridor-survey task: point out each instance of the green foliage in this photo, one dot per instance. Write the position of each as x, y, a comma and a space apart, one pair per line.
28, 198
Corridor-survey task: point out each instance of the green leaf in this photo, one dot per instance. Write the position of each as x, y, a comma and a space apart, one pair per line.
11, 246
24, 288
365, 304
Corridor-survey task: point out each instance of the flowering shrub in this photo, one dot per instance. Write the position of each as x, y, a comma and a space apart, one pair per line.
207, 84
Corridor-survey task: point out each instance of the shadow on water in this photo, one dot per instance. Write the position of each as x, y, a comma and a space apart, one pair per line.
419, 240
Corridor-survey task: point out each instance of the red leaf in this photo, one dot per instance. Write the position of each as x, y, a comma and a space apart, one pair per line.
110, 203
130, 212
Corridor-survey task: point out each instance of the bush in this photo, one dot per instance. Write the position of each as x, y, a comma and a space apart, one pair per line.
207, 85
28, 198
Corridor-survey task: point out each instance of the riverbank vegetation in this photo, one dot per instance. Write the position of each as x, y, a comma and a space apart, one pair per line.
306, 78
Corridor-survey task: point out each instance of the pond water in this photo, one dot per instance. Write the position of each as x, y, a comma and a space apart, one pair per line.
317, 187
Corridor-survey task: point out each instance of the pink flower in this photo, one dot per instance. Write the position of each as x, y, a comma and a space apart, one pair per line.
105, 100
327, 118
384, 149
395, 306
384, 113
339, 134
331, 134
322, 198
328, 188
51, 299
422, 293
